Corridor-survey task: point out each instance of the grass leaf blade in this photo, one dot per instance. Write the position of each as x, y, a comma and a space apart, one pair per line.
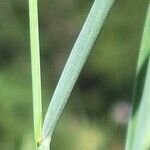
76, 61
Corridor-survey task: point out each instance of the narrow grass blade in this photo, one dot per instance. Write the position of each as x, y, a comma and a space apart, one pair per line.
138, 137
76, 61
35, 61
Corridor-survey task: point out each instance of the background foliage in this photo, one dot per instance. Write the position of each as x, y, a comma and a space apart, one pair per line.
103, 91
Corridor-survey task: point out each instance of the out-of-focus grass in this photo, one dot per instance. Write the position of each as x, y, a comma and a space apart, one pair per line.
15, 108
139, 130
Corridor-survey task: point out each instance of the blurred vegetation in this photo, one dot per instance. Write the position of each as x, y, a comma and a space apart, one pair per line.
106, 80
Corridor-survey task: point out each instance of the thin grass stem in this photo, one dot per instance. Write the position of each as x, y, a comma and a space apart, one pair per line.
36, 72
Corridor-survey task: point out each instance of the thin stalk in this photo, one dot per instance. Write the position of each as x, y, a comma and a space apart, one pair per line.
139, 124
36, 72
75, 63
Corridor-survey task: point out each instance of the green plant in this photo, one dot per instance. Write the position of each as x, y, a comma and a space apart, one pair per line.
74, 65
139, 126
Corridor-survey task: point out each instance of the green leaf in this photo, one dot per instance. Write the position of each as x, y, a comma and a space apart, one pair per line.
75, 63
139, 126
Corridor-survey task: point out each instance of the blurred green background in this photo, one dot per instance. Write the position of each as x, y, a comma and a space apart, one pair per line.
97, 113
